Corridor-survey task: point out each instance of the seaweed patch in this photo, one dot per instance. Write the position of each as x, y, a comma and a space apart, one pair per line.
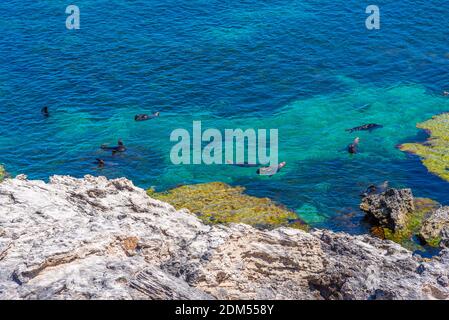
434, 153
218, 202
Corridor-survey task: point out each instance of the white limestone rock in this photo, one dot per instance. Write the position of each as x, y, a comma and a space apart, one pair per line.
95, 238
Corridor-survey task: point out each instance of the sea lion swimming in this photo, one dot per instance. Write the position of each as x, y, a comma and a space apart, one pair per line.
366, 127
272, 170
375, 189
383, 186
352, 148
100, 163
143, 117
119, 148
45, 112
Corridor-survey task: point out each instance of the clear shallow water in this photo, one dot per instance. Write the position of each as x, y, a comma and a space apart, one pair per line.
304, 67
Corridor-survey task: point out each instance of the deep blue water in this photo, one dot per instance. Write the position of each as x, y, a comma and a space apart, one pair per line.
303, 67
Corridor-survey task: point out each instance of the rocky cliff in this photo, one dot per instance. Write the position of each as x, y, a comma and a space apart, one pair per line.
95, 238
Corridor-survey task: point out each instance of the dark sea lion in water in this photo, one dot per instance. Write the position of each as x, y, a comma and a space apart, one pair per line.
119, 148
366, 127
270, 171
243, 164
383, 186
100, 163
143, 117
370, 190
375, 189
352, 148
45, 112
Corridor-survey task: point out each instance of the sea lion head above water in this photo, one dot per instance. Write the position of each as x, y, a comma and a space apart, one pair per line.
45, 111
352, 148
100, 163
120, 147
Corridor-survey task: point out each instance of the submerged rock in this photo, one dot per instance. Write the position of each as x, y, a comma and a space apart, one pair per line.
435, 151
218, 202
95, 238
390, 208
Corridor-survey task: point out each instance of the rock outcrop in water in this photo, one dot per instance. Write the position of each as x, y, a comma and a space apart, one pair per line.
95, 238
435, 228
389, 209
397, 216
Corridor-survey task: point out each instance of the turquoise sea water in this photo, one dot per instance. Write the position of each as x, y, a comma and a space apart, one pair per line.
307, 68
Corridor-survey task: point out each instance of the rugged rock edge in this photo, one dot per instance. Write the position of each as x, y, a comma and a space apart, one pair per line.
95, 238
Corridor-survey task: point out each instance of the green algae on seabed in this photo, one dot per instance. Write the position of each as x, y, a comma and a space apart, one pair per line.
435, 151
218, 202
404, 236
310, 215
